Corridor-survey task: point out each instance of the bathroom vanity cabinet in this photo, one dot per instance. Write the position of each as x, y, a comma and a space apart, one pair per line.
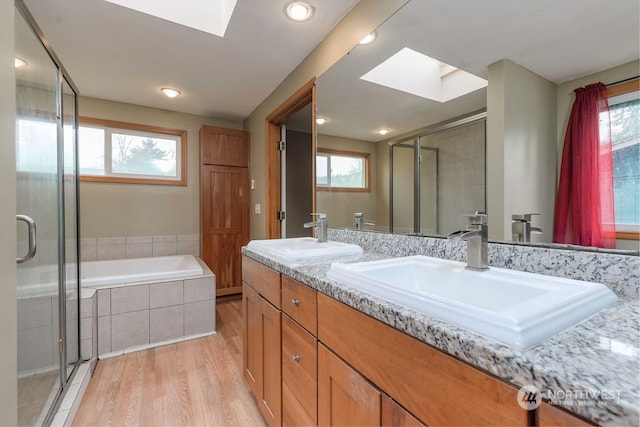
312, 360
262, 338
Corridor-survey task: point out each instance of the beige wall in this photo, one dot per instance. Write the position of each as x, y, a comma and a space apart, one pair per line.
8, 315
521, 148
382, 185
116, 210
361, 20
341, 205
565, 102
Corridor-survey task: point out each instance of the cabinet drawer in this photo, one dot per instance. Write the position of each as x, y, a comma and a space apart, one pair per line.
293, 414
299, 369
263, 279
299, 302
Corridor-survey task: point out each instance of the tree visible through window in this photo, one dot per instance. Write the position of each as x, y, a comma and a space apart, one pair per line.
625, 134
122, 152
143, 156
341, 170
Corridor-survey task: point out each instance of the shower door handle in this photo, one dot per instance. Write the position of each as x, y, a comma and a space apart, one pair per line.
31, 226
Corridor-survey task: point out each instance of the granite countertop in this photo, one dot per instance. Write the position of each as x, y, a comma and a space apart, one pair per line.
591, 369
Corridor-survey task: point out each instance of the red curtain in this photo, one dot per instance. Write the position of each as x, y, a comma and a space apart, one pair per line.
584, 202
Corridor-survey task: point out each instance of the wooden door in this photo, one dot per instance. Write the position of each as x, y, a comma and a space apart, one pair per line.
345, 398
224, 147
225, 223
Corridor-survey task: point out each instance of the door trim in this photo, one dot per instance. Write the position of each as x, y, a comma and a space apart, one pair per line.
303, 96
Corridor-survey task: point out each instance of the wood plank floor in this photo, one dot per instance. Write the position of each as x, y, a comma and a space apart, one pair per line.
192, 383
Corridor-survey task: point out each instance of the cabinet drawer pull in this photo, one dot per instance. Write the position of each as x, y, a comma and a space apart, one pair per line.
295, 358
295, 302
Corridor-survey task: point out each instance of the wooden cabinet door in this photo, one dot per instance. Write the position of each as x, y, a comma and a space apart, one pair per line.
224, 223
227, 147
270, 396
344, 397
549, 415
261, 353
394, 415
252, 338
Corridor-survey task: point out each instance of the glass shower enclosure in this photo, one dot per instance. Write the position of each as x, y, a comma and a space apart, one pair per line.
47, 286
437, 177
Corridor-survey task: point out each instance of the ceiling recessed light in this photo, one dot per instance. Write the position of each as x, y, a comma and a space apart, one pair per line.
368, 38
383, 131
299, 11
20, 62
321, 120
171, 93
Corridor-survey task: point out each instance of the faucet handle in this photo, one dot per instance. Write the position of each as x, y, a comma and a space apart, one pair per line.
319, 215
477, 218
359, 214
523, 217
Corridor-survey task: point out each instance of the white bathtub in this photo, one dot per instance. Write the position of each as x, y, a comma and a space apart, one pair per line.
41, 281
102, 273
149, 302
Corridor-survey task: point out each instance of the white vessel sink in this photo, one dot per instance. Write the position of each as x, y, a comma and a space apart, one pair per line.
517, 308
303, 249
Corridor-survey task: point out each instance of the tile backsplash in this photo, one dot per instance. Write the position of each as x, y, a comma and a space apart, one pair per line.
105, 248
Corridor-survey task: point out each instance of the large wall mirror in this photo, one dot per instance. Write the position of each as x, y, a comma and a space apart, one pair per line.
447, 61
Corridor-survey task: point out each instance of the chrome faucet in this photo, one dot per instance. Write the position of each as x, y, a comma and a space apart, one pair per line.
476, 234
521, 228
359, 222
320, 226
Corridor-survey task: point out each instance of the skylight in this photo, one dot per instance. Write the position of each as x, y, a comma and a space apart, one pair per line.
412, 72
208, 16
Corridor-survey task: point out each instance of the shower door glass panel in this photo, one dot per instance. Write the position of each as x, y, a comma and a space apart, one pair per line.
403, 188
70, 185
37, 197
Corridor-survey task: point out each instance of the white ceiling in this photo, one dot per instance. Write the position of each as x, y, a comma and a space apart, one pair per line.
118, 54
559, 40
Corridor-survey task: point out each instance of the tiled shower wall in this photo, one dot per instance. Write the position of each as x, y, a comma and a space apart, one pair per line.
105, 248
461, 173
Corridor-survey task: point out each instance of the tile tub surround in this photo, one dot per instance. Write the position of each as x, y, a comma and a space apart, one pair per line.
599, 355
106, 248
88, 324
136, 316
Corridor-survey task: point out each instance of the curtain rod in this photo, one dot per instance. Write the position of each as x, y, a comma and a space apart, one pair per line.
623, 81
